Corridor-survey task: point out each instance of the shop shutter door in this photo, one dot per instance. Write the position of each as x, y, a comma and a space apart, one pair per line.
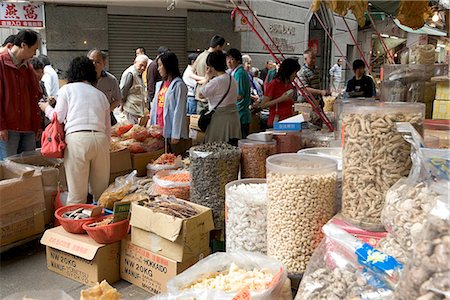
126, 33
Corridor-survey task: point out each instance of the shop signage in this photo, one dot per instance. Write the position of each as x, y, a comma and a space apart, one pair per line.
281, 29
282, 44
21, 14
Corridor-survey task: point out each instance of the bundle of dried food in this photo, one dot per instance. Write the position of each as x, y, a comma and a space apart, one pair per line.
102, 291
170, 205
117, 191
103, 222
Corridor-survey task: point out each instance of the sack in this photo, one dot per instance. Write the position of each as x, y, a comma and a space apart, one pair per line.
205, 119
52, 140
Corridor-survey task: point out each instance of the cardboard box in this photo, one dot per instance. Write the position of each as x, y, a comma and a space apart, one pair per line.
148, 270
53, 174
441, 109
80, 258
139, 161
21, 202
120, 161
175, 238
443, 90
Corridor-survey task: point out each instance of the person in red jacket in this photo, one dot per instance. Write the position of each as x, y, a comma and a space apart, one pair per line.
20, 92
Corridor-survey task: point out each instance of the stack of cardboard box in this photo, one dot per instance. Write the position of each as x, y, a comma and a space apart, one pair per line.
441, 106
163, 246
120, 164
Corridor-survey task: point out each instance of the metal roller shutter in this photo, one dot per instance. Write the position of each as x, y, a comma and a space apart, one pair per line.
126, 33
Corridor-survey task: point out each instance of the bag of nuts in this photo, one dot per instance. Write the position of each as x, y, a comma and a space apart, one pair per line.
427, 274
375, 157
212, 167
301, 196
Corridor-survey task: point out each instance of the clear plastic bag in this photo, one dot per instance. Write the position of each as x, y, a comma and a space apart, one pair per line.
178, 187
153, 168
117, 190
427, 274
222, 262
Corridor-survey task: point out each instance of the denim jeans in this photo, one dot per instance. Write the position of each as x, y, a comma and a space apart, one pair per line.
18, 142
191, 106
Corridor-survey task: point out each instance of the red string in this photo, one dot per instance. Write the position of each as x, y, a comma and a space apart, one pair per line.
356, 43
386, 49
309, 98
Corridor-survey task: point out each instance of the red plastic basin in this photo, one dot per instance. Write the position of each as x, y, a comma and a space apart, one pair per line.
107, 234
74, 226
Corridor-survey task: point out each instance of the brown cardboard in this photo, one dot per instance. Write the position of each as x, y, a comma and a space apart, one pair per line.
120, 161
139, 161
148, 270
22, 229
80, 258
180, 250
21, 200
186, 235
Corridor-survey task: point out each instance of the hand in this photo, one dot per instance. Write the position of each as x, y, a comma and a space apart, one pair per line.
254, 98
51, 100
43, 105
174, 141
4, 135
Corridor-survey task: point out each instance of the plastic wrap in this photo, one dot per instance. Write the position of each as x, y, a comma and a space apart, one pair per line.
427, 275
224, 262
301, 195
154, 167
180, 188
212, 167
117, 191
375, 157
246, 217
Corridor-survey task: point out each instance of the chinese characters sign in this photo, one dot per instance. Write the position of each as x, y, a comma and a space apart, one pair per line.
21, 14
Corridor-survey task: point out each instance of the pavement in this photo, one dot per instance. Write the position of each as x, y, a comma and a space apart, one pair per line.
24, 268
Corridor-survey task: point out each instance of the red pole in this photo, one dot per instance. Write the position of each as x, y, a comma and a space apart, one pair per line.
381, 39
356, 43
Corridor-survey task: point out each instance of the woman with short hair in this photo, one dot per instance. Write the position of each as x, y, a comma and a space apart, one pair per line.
85, 112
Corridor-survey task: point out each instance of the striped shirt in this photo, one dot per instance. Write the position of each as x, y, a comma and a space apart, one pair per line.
310, 78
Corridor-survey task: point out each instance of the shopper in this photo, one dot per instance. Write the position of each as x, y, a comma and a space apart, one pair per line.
169, 104
225, 125
8, 43
152, 76
336, 76
310, 76
133, 90
20, 117
191, 84
38, 67
279, 93
199, 69
50, 77
360, 85
257, 82
106, 82
234, 62
85, 112
267, 66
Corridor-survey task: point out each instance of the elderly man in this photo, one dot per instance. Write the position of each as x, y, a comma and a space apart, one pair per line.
106, 82
133, 89
310, 76
8, 43
336, 76
20, 116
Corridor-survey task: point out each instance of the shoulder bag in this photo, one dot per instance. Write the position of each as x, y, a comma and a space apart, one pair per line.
206, 114
52, 141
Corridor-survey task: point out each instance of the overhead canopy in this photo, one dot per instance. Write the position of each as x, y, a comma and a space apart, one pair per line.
426, 29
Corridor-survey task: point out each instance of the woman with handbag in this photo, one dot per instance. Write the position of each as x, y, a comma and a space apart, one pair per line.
221, 92
169, 103
85, 112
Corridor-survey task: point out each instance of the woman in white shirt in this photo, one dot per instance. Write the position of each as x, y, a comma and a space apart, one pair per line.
85, 112
225, 125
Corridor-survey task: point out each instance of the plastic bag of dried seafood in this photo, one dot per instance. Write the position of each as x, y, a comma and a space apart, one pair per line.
411, 198
427, 274
229, 275
342, 267
117, 190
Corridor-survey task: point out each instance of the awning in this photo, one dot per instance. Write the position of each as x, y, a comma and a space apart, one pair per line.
426, 29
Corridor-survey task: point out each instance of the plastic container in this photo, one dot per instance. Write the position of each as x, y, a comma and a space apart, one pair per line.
73, 226
301, 196
287, 141
107, 234
246, 215
212, 167
314, 138
338, 107
253, 157
334, 153
178, 188
375, 157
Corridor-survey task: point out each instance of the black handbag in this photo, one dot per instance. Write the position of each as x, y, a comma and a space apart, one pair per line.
206, 114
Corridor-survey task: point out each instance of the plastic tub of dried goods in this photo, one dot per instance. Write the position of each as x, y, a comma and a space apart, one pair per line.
253, 157
74, 226
375, 156
287, 141
173, 182
109, 233
246, 215
301, 192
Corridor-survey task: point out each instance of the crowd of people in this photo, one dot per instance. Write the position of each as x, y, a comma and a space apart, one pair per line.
214, 80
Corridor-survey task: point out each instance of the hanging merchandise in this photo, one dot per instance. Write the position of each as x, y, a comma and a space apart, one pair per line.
246, 215
212, 167
301, 194
342, 8
375, 157
413, 13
